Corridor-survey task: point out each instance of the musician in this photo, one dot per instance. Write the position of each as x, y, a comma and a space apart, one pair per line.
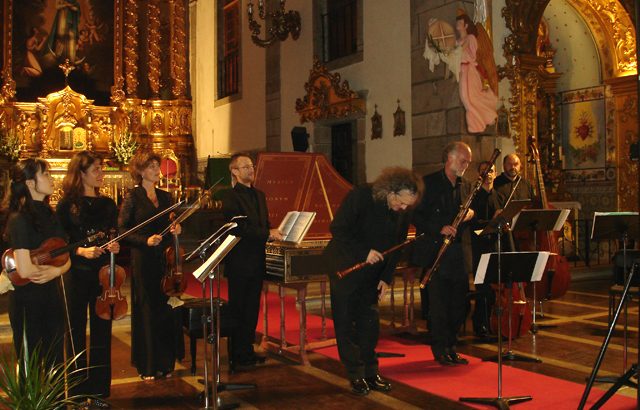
37, 308
447, 290
245, 265
82, 212
153, 321
507, 180
485, 206
371, 219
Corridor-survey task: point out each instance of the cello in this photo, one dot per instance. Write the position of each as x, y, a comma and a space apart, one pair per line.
556, 277
111, 305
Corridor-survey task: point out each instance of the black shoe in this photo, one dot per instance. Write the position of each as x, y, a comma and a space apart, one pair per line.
482, 332
377, 383
359, 387
457, 359
445, 360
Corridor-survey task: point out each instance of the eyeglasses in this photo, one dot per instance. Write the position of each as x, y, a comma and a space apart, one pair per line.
247, 167
403, 203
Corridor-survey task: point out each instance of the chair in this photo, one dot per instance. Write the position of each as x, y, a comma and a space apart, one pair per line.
170, 168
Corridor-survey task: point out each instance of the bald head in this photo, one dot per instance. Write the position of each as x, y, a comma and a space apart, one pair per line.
511, 166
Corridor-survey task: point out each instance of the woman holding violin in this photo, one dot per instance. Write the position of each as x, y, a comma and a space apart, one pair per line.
82, 211
154, 324
37, 308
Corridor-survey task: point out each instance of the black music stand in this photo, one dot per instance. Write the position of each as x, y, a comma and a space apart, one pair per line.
620, 226
520, 267
625, 379
210, 269
533, 220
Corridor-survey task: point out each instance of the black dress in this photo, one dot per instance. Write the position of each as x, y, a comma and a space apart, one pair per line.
153, 322
361, 224
36, 309
88, 216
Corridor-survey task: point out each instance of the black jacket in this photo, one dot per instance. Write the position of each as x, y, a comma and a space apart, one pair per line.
438, 208
247, 258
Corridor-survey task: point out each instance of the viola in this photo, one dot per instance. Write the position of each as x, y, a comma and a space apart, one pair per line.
556, 277
111, 305
53, 251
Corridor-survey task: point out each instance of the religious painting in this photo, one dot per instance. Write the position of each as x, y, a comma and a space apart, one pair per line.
584, 132
46, 33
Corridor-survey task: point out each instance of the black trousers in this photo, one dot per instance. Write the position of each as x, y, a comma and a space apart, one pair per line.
357, 326
447, 301
485, 300
244, 306
38, 311
82, 290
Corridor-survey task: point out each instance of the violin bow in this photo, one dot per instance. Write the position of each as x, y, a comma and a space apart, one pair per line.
191, 208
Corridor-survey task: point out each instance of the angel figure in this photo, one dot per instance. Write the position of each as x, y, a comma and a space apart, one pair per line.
478, 75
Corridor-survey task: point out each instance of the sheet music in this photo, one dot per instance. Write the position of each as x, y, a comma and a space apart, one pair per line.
596, 214
561, 219
216, 257
538, 270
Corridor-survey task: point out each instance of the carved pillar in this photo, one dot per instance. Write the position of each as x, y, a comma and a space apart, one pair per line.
625, 97
153, 41
131, 48
8, 84
117, 90
178, 49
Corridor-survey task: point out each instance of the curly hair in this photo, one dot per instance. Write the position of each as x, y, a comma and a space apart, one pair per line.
394, 180
140, 161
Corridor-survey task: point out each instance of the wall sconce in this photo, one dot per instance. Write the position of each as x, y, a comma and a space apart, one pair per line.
282, 23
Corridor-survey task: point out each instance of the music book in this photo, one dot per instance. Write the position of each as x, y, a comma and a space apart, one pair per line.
512, 263
295, 225
216, 257
557, 216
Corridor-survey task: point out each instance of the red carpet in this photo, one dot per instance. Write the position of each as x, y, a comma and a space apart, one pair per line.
418, 369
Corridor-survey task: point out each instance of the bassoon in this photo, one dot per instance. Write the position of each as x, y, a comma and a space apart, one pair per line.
464, 208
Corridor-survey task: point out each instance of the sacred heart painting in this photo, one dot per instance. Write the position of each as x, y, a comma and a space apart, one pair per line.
46, 33
584, 130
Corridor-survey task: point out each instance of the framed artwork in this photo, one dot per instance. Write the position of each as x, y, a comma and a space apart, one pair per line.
48, 32
584, 133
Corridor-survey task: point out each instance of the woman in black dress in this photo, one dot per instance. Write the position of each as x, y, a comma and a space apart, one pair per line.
153, 321
82, 212
36, 308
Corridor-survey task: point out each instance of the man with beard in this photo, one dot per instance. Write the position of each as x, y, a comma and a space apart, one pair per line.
447, 290
508, 181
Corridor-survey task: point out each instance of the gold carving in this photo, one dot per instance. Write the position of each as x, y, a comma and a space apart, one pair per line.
153, 42
326, 97
131, 47
8, 90
178, 49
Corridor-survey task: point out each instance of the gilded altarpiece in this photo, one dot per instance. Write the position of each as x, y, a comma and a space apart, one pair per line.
150, 104
526, 70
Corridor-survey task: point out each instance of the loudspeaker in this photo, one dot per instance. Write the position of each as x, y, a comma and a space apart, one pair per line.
300, 139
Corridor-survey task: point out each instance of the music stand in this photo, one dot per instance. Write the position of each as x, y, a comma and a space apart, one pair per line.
625, 379
522, 267
210, 269
618, 226
532, 220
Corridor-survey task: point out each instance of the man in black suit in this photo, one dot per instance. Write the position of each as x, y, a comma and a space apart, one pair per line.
510, 180
371, 219
245, 265
447, 290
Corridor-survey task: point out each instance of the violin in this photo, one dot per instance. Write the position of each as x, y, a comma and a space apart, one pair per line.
111, 305
174, 283
53, 251
556, 277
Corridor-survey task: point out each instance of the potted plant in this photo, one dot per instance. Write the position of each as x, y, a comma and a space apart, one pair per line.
30, 382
